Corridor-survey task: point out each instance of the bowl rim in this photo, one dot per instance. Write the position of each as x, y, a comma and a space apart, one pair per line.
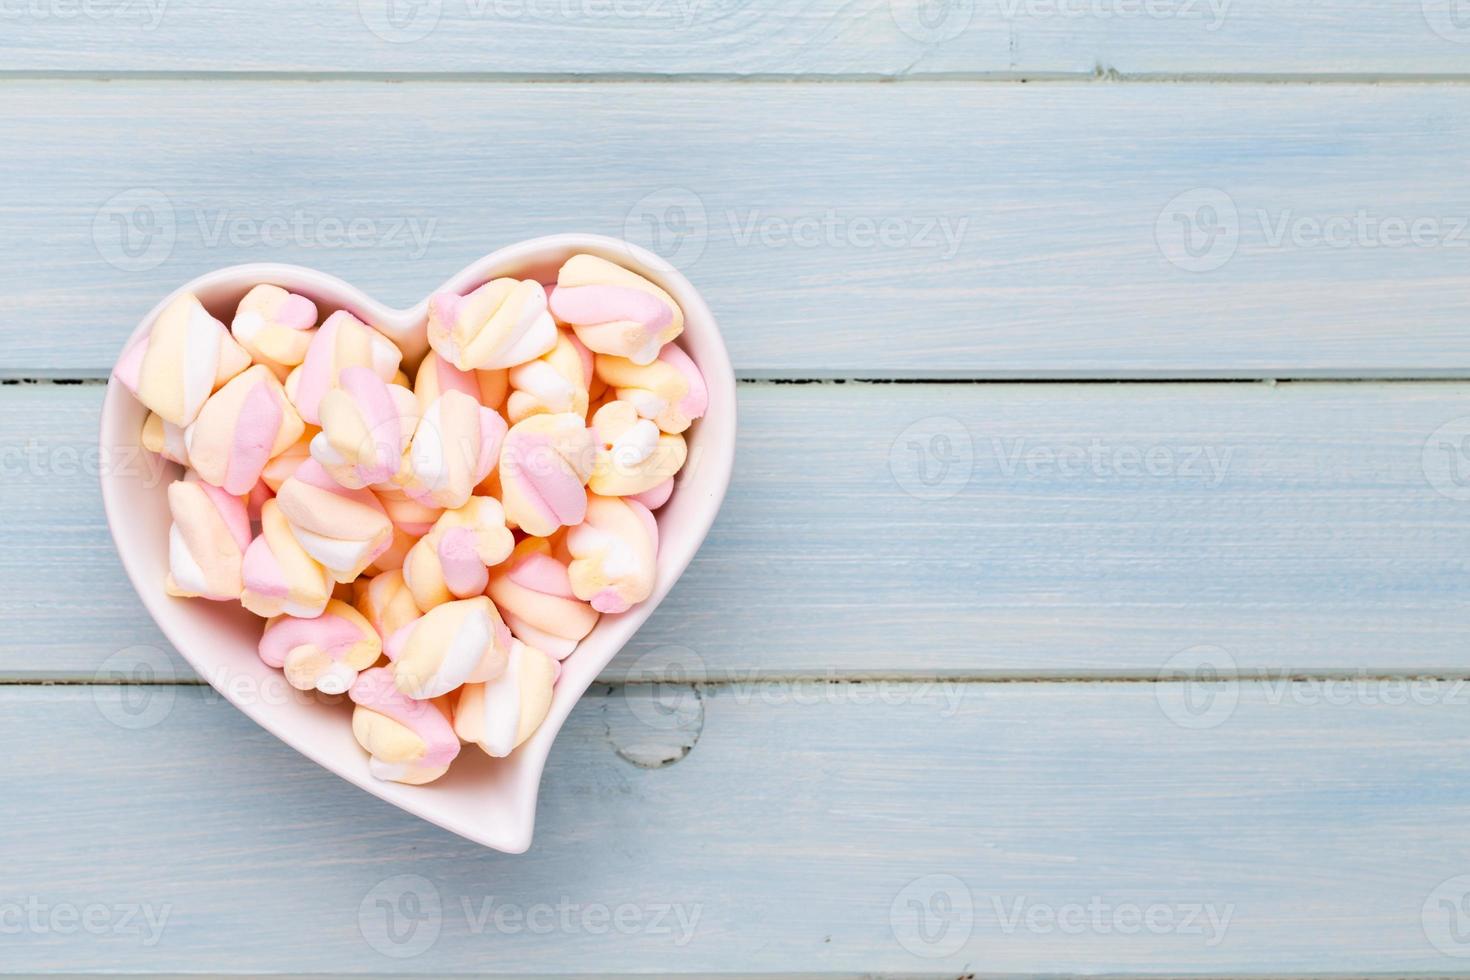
716, 435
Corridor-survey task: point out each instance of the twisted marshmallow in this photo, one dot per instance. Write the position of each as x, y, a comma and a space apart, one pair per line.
504, 322
453, 449
207, 541
544, 465
436, 376
453, 560
342, 529
614, 310
534, 593
180, 361
343, 341
278, 469
275, 326
501, 714
633, 456
458, 642
670, 391
324, 653
613, 554
411, 520
386, 602
279, 576
553, 383
240, 428
366, 428
165, 439
408, 741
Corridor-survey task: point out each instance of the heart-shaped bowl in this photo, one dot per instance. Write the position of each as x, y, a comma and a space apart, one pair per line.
492, 801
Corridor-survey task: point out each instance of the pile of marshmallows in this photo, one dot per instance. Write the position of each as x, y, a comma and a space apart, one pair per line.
471, 528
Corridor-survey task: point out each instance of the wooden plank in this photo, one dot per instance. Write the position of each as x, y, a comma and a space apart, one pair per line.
1299, 835
1079, 531
907, 230
662, 38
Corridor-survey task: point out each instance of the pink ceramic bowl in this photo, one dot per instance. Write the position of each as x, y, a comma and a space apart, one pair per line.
492, 801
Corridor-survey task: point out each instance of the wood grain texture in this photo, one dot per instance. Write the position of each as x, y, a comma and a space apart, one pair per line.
1077, 531
814, 217
1308, 837
659, 38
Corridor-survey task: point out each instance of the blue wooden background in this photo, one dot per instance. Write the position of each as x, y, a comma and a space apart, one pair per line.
1091, 596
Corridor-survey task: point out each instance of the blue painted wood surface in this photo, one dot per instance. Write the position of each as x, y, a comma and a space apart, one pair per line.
950, 690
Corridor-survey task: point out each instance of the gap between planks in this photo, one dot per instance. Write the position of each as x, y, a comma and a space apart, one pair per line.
1100, 74
736, 679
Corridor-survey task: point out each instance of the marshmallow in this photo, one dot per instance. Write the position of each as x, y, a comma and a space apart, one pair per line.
455, 446
409, 741
544, 465
436, 376
240, 428
656, 497
633, 456
534, 593
613, 310
342, 529
165, 439
256, 498
366, 428
275, 326
180, 361
453, 560
553, 383
670, 391
207, 542
278, 469
502, 323
453, 644
324, 653
413, 517
394, 555
501, 714
385, 601
343, 341
613, 554
279, 576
